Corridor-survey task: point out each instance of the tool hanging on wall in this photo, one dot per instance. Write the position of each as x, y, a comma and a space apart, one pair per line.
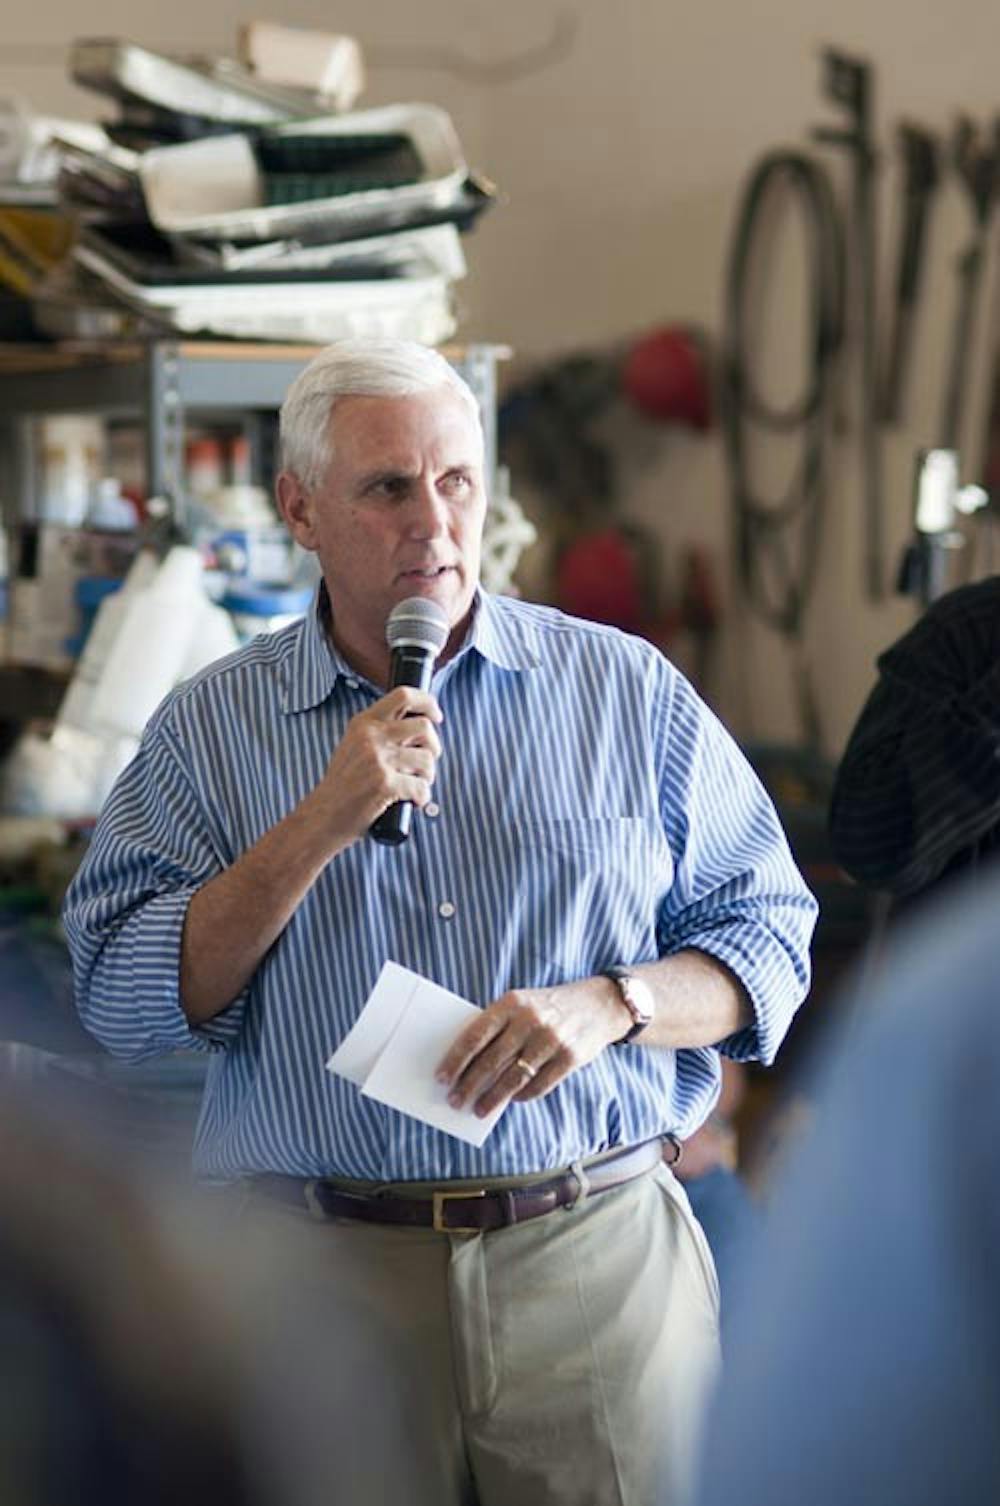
938, 500
849, 83
977, 160
665, 374
921, 175
777, 539
548, 426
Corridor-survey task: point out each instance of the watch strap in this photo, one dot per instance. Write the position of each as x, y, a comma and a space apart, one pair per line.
624, 979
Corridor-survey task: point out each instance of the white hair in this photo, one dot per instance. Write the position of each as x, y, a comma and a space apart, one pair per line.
355, 368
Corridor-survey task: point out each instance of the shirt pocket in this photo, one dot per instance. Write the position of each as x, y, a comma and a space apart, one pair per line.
590, 890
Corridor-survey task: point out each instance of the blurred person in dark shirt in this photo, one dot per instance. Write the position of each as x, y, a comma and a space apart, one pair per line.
917, 794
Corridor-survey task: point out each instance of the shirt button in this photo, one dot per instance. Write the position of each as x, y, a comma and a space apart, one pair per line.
351, 684
432, 808
446, 909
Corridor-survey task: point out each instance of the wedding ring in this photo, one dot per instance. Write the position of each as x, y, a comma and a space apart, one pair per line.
525, 1067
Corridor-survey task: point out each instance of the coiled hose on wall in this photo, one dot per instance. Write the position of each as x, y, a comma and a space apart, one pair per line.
778, 538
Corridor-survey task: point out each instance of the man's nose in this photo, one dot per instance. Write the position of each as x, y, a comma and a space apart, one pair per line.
427, 512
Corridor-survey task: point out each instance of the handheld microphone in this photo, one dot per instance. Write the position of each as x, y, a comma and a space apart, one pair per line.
416, 631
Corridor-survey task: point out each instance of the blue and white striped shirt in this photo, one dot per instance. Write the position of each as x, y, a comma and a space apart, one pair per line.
588, 809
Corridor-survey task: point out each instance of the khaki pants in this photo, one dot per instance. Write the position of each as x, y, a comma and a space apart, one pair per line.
561, 1362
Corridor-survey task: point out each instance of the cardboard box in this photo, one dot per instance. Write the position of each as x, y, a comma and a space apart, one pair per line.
43, 617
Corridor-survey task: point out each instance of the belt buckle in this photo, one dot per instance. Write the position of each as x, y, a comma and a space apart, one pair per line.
438, 1200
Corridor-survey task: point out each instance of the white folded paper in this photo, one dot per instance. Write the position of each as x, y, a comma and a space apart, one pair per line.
396, 1043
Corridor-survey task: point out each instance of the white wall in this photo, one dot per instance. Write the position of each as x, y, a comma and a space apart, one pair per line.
621, 162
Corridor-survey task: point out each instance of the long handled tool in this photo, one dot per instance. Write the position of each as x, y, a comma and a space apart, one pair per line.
848, 82
921, 175
977, 159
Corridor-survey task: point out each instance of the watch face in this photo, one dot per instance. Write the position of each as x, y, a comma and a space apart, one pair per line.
637, 997
640, 997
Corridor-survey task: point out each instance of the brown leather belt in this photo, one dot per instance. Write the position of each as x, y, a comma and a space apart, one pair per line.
467, 1210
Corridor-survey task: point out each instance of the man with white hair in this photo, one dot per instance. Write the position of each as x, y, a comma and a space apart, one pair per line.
592, 862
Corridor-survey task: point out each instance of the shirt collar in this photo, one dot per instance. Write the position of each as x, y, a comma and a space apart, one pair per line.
507, 641
315, 664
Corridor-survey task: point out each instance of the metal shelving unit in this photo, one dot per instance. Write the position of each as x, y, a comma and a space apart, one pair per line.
162, 384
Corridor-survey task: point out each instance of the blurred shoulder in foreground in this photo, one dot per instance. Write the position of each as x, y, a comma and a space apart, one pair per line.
150, 1350
864, 1355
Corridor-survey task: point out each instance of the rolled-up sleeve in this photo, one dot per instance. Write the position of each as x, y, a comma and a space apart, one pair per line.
124, 912
737, 893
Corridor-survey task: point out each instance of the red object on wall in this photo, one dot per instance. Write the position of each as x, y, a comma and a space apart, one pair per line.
665, 374
598, 577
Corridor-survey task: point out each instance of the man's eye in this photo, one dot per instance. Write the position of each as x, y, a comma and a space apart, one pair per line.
457, 483
391, 486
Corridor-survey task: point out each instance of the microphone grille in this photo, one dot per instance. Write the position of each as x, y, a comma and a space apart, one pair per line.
418, 622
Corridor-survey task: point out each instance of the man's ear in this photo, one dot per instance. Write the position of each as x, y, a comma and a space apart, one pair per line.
295, 505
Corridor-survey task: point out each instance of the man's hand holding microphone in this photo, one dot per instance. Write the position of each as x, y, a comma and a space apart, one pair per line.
384, 764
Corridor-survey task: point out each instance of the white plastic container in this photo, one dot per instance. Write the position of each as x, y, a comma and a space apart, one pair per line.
71, 451
109, 509
168, 631
77, 708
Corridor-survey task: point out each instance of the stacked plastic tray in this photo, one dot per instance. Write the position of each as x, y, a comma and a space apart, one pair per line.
228, 206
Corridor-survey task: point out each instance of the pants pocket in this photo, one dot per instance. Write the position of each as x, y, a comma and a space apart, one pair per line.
697, 1243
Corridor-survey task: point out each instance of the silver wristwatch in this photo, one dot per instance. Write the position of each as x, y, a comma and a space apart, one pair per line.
637, 997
